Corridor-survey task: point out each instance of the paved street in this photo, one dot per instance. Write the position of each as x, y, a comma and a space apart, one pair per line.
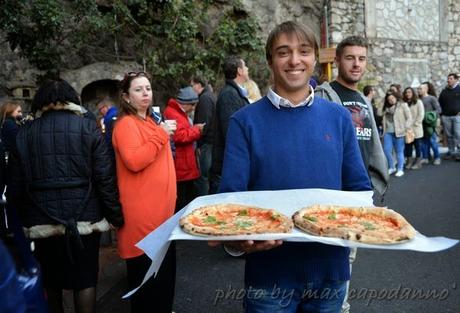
383, 281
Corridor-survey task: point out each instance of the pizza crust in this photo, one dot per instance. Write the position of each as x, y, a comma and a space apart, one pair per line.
357, 228
234, 219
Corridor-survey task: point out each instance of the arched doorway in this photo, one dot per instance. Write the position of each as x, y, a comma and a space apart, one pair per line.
97, 90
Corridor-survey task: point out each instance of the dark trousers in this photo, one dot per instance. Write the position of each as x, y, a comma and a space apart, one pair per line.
418, 142
186, 192
205, 160
157, 294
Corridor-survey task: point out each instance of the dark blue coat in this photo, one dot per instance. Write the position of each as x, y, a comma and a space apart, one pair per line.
230, 100
62, 172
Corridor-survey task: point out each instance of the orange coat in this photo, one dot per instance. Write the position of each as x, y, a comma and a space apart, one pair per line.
146, 179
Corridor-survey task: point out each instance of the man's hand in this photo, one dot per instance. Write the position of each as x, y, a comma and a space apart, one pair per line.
248, 246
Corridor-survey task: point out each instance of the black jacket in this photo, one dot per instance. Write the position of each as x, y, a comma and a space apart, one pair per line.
8, 132
449, 99
204, 112
230, 100
62, 173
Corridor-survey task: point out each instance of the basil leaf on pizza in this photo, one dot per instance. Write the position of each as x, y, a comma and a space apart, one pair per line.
376, 225
234, 219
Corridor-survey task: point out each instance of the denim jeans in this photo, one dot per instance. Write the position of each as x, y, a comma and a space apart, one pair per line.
452, 129
430, 142
390, 141
204, 159
296, 297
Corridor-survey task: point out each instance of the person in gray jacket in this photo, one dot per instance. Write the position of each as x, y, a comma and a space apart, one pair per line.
351, 61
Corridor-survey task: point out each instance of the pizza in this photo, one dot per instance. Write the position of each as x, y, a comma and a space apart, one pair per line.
234, 219
376, 225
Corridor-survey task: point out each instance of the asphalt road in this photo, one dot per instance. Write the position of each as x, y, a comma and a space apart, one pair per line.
383, 281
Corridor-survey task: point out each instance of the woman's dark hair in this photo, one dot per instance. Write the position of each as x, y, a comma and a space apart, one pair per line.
431, 90
367, 89
54, 92
414, 98
391, 93
124, 85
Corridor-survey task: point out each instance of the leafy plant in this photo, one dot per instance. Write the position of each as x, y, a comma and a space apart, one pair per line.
173, 39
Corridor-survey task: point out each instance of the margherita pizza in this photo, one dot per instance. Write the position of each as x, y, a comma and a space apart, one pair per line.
375, 225
234, 219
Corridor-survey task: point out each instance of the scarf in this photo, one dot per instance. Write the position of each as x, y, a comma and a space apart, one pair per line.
391, 110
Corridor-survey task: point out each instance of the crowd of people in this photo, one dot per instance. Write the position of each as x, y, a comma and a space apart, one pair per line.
71, 179
412, 123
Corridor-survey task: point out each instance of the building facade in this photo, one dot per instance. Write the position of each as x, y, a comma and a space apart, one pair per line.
411, 41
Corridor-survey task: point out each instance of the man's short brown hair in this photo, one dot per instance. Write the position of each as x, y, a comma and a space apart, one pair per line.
302, 32
349, 42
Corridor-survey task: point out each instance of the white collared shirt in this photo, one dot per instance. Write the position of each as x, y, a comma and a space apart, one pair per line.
278, 101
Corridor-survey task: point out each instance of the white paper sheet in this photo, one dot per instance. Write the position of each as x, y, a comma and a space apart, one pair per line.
287, 202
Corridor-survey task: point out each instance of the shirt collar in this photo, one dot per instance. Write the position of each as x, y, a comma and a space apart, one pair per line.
454, 86
278, 101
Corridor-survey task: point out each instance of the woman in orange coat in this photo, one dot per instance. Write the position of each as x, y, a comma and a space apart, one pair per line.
147, 184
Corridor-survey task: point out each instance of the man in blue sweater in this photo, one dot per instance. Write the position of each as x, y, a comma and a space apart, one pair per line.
287, 140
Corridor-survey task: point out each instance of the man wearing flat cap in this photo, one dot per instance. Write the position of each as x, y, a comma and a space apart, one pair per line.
185, 137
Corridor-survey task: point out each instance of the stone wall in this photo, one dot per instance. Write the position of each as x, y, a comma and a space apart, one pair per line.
346, 18
453, 29
81, 77
269, 13
16, 72
410, 40
397, 19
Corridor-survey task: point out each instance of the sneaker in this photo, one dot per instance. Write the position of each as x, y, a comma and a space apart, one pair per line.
391, 171
399, 173
447, 156
437, 161
424, 161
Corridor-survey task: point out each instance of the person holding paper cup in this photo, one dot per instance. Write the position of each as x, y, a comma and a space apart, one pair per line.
185, 138
303, 142
147, 184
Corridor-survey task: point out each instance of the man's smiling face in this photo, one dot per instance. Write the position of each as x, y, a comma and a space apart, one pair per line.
292, 63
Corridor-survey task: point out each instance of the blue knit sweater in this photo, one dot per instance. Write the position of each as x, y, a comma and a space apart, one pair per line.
288, 148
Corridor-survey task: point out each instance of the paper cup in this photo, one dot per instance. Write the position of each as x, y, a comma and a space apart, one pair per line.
171, 124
